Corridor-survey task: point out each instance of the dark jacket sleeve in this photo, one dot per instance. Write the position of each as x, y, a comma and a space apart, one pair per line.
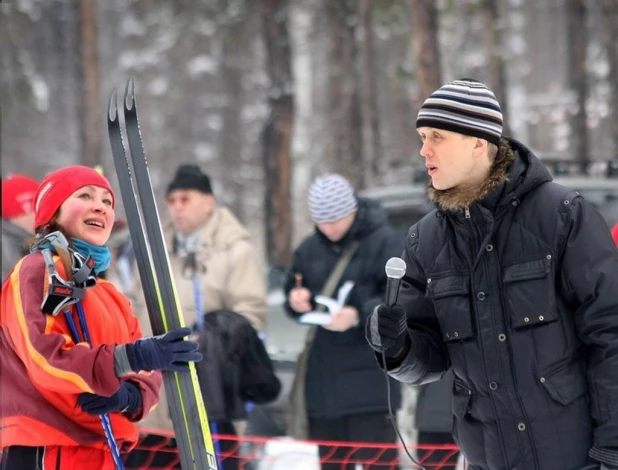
427, 359
590, 282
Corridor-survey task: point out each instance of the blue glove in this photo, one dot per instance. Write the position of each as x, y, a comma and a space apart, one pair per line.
165, 352
127, 399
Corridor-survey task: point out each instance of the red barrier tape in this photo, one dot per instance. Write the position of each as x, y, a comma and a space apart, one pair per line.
157, 450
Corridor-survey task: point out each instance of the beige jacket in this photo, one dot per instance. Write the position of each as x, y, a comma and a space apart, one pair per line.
231, 278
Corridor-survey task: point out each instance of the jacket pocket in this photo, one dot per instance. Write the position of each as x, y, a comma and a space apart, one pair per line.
451, 300
530, 295
462, 397
566, 381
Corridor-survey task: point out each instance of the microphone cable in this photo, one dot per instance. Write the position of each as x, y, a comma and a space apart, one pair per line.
392, 417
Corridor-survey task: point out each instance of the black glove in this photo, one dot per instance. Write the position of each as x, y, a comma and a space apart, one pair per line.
127, 399
606, 456
386, 330
165, 352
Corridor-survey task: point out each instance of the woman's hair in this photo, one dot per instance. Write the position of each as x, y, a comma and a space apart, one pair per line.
54, 226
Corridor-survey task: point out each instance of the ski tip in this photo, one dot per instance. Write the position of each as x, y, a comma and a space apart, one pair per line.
112, 109
129, 94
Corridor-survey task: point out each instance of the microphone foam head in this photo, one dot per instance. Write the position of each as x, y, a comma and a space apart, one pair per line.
395, 268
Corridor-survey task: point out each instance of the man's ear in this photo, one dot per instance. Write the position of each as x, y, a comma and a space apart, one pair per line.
480, 147
211, 201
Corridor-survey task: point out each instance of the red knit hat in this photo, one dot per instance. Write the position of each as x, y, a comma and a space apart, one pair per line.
17, 195
615, 233
59, 185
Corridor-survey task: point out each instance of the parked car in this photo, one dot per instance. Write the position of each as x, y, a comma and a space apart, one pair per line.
601, 192
406, 204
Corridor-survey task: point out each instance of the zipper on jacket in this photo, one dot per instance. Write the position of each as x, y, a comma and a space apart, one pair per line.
467, 211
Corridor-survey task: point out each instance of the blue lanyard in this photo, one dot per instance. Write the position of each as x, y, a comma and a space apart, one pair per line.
199, 301
107, 425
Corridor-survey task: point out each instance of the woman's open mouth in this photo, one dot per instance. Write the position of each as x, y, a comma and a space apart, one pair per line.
96, 224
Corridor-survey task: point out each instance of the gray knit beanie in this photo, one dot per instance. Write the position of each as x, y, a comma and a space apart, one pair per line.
331, 198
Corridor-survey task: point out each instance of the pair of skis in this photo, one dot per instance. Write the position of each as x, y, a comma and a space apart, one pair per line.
187, 409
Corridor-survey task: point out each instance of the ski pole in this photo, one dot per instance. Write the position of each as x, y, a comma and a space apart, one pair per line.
105, 421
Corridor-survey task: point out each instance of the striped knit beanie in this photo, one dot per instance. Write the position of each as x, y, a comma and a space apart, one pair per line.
331, 198
464, 106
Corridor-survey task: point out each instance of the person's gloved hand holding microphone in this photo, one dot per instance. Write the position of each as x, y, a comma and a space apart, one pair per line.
386, 329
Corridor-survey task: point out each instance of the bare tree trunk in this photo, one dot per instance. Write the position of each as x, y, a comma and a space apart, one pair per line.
496, 73
610, 13
90, 107
372, 148
231, 144
578, 44
277, 132
343, 92
424, 21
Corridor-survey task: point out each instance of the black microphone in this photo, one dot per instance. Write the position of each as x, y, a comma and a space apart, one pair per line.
395, 269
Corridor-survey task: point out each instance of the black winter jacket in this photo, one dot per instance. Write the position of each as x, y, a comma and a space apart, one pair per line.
342, 376
519, 293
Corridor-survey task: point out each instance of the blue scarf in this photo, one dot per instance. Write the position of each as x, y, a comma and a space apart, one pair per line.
100, 254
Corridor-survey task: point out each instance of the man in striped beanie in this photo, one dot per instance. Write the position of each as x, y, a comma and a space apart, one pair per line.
460, 125
511, 283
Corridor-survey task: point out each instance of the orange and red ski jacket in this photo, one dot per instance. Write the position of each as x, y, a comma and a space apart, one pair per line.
42, 370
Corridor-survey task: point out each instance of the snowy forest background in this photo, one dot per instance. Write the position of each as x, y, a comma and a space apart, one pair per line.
267, 94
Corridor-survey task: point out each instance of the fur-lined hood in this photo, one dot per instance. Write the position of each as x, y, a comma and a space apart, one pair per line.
516, 170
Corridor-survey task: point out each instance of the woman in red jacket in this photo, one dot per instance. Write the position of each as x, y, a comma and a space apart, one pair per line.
74, 376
